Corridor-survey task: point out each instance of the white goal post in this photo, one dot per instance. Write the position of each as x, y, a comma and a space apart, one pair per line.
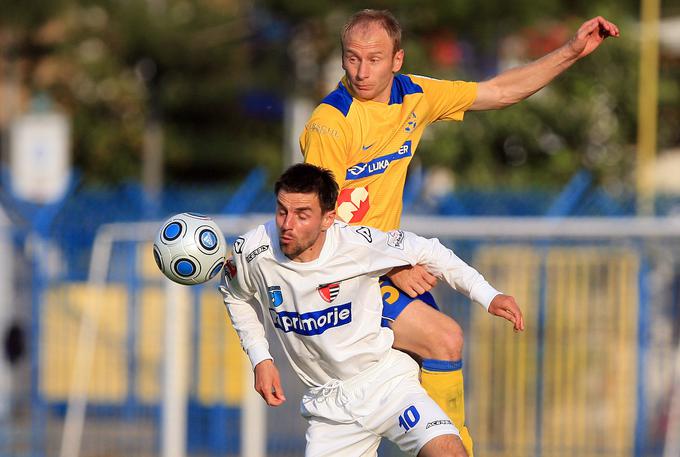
253, 433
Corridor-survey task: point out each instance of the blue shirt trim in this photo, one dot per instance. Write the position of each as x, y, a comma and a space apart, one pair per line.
339, 99
402, 85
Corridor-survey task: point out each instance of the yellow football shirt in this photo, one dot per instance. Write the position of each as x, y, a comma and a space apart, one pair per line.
368, 145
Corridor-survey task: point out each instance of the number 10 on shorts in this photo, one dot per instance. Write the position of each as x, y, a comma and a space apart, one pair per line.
409, 418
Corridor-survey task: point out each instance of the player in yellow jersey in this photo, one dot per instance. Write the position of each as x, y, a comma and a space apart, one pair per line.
366, 132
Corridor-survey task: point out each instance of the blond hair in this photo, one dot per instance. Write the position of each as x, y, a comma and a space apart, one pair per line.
381, 17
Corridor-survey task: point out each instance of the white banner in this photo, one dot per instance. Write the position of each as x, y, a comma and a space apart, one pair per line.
39, 157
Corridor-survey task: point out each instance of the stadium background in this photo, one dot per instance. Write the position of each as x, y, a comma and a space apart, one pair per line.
195, 106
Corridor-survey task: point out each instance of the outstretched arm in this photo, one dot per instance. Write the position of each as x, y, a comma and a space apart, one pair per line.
516, 84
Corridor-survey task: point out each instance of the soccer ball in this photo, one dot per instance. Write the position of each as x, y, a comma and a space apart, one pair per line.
189, 248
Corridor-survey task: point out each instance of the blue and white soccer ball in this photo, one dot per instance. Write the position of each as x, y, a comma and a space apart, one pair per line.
189, 248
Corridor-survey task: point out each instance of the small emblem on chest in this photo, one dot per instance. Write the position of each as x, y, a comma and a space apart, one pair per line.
329, 291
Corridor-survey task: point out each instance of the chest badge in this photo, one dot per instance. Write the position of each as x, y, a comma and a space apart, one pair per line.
329, 291
275, 295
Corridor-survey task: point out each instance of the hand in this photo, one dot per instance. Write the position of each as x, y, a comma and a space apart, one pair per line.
268, 383
414, 280
505, 306
590, 35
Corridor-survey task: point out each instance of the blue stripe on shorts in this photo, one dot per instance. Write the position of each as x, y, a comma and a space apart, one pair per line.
396, 300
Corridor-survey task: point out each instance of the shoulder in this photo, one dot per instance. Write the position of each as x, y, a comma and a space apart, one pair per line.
404, 85
338, 102
357, 235
326, 121
253, 243
368, 236
430, 83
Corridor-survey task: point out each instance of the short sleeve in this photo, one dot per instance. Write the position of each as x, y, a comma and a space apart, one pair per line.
448, 100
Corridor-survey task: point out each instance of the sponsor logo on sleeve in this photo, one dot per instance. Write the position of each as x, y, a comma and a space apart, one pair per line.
329, 291
395, 238
256, 252
275, 295
322, 129
353, 204
313, 323
365, 232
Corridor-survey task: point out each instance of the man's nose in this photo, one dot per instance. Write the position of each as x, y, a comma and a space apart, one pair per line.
287, 222
362, 70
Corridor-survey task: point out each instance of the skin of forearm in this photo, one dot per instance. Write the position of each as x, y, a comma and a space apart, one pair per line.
516, 84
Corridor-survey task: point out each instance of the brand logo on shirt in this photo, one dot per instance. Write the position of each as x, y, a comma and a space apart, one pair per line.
353, 204
379, 164
329, 291
314, 323
438, 422
366, 233
256, 252
238, 245
366, 148
275, 295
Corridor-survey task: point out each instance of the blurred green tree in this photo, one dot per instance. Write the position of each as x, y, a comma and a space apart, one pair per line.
217, 74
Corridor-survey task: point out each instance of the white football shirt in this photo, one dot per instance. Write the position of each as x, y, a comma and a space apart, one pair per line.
327, 312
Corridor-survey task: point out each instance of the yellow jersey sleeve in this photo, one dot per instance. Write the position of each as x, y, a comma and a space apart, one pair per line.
325, 141
448, 100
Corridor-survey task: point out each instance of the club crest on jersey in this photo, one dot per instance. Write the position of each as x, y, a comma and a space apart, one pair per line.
230, 269
353, 204
329, 291
395, 238
411, 123
275, 295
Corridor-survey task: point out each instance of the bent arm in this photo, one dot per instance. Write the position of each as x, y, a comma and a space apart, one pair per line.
396, 248
516, 84
240, 303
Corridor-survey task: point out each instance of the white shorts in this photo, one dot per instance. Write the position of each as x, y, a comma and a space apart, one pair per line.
348, 419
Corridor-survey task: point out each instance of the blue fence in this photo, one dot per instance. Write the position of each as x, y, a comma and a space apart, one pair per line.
72, 223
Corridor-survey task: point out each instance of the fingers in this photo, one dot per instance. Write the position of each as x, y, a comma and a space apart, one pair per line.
271, 395
278, 392
505, 306
607, 28
604, 28
410, 291
413, 280
430, 279
268, 383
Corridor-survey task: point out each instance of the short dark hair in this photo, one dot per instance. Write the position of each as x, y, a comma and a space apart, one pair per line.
382, 17
305, 178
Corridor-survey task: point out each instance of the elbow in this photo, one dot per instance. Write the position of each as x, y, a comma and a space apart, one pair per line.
494, 95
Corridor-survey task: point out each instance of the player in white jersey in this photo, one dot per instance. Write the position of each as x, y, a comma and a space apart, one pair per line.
317, 281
